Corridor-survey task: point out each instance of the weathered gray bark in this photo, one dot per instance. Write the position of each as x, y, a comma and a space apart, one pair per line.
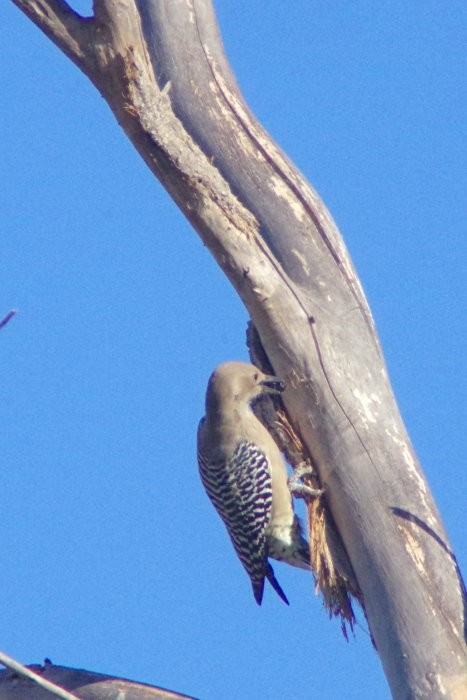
161, 67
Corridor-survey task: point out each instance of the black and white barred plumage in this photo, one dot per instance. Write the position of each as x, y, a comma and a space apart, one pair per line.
244, 475
240, 490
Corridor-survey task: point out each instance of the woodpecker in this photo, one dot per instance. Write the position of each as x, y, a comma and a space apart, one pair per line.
245, 477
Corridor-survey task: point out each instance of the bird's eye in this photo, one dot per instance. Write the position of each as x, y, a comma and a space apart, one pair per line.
256, 376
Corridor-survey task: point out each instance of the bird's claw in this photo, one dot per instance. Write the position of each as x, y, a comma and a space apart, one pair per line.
300, 490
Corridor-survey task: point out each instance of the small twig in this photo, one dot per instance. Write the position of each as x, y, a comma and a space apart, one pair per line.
21, 670
9, 316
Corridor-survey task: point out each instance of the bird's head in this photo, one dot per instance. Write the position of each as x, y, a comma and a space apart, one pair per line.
240, 382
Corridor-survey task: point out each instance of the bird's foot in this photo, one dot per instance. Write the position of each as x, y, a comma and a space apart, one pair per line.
297, 488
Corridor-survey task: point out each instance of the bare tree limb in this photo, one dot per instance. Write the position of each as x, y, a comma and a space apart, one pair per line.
7, 318
85, 684
65, 27
161, 67
33, 676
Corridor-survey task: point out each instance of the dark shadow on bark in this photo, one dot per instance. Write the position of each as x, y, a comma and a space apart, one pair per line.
429, 531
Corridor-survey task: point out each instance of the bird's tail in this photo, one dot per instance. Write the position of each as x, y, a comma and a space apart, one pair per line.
258, 586
275, 584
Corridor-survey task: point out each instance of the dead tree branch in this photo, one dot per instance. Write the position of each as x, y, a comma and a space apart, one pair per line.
161, 67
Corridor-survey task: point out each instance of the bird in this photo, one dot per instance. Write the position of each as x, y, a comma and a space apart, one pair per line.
245, 477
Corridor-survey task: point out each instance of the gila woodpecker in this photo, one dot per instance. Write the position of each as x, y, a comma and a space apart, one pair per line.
245, 477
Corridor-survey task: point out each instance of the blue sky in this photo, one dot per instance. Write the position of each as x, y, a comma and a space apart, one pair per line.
113, 558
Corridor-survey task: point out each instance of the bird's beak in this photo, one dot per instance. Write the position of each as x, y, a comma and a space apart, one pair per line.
273, 385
